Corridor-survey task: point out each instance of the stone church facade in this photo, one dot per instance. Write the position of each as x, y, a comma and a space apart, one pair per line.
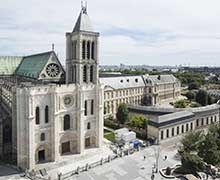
47, 117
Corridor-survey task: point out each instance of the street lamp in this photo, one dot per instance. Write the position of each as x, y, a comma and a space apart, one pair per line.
157, 155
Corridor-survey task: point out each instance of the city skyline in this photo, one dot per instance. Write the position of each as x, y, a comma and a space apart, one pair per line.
148, 32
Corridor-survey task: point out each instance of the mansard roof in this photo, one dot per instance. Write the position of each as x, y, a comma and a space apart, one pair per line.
160, 79
8, 64
122, 82
32, 65
83, 22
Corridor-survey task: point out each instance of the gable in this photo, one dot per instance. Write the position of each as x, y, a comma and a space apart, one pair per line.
52, 70
31, 66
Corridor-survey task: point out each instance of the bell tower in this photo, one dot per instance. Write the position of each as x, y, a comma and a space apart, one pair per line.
82, 54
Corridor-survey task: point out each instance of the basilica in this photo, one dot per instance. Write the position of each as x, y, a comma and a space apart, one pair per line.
47, 112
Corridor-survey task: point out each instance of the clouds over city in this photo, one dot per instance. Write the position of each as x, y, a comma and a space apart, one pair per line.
154, 32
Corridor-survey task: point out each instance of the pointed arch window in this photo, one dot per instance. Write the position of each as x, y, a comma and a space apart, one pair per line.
46, 114
84, 50
91, 73
66, 123
85, 108
74, 73
74, 49
88, 50
92, 107
37, 115
93, 50
85, 73
88, 125
42, 136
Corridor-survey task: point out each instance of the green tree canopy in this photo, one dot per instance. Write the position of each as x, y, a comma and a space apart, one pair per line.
211, 100
122, 113
202, 97
199, 148
214, 129
194, 85
191, 95
191, 141
192, 162
191, 77
138, 122
180, 104
209, 150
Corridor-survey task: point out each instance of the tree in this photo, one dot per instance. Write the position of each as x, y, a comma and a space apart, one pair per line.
211, 100
122, 113
192, 163
195, 104
138, 122
180, 104
214, 129
209, 150
191, 141
194, 85
191, 95
198, 149
202, 97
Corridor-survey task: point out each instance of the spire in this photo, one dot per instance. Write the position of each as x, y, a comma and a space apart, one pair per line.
83, 22
84, 7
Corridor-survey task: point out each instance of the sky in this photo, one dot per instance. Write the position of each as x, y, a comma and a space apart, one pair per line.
134, 32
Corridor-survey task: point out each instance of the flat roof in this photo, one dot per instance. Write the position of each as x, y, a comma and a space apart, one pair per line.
171, 118
167, 116
151, 109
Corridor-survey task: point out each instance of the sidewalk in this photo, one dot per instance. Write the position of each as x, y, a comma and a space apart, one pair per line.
71, 162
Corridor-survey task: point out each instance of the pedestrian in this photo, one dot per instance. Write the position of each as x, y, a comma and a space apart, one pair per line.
165, 157
152, 176
144, 157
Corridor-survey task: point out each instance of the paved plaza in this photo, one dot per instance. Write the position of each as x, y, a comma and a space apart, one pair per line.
134, 167
8, 173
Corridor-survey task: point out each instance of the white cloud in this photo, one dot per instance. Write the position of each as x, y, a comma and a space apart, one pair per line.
171, 31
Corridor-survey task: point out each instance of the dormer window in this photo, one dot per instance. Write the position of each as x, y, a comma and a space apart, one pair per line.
136, 80
121, 81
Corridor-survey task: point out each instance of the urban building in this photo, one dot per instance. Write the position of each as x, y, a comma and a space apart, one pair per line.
165, 123
42, 116
150, 90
